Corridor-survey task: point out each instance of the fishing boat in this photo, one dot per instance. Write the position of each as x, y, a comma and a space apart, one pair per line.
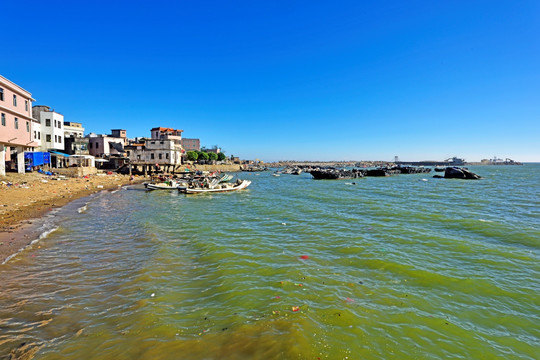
225, 178
222, 187
166, 185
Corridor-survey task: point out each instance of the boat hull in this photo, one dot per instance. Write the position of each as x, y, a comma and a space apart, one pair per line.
243, 185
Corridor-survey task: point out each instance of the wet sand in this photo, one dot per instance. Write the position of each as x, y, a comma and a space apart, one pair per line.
24, 197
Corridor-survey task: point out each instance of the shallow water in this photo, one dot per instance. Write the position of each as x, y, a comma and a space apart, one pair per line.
393, 268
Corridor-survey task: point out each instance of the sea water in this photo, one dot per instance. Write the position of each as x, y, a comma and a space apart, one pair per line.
402, 267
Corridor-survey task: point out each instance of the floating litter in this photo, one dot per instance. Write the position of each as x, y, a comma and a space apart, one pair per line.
152, 295
283, 223
304, 257
295, 308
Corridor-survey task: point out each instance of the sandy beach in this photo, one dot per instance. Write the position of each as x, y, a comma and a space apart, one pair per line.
24, 197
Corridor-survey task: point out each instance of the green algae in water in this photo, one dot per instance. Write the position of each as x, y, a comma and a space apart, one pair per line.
396, 268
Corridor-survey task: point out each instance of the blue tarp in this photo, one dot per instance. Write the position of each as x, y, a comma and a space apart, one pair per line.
37, 158
59, 153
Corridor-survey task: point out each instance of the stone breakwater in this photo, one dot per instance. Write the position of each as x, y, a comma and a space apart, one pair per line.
333, 173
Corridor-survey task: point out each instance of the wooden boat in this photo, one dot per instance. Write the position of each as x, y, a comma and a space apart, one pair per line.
167, 185
223, 187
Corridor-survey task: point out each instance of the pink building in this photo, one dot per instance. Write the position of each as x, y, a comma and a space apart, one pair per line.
16, 125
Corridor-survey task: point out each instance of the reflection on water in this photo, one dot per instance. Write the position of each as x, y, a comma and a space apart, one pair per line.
291, 268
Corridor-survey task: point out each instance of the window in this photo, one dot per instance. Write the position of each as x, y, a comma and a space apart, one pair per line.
152, 156
160, 156
47, 122
1, 94
3, 119
97, 145
54, 123
27, 126
35, 134
48, 138
39, 135
89, 145
166, 155
14, 100
59, 124
26, 105
59, 139
16, 123
55, 138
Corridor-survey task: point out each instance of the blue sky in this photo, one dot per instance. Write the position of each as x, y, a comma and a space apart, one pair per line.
304, 80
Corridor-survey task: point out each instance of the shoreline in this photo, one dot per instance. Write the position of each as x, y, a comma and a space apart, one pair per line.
25, 199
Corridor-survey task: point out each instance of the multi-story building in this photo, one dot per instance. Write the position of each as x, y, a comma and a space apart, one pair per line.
74, 141
191, 144
163, 149
107, 145
73, 129
15, 124
52, 128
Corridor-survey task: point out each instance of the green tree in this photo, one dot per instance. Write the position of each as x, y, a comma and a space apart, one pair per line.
192, 155
212, 156
221, 156
203, 156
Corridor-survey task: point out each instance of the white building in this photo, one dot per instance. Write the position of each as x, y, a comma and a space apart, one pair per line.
52, 128
163, 149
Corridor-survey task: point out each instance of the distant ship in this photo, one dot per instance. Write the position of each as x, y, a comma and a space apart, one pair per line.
455, 161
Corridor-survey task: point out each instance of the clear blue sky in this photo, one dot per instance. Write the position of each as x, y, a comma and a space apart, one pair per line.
304, 80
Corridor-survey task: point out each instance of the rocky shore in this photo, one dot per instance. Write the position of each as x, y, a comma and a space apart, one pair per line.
24, 197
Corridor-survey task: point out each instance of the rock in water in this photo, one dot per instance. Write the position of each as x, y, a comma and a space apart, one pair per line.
460, 173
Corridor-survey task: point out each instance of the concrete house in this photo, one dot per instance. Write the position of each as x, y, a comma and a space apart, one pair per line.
107, 145
16, 125
52, 128
163, 149
191, 144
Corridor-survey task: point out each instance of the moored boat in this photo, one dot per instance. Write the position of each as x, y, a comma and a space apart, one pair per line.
222, 187
166, 185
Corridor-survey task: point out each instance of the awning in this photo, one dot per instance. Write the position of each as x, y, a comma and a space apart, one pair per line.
58, 153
